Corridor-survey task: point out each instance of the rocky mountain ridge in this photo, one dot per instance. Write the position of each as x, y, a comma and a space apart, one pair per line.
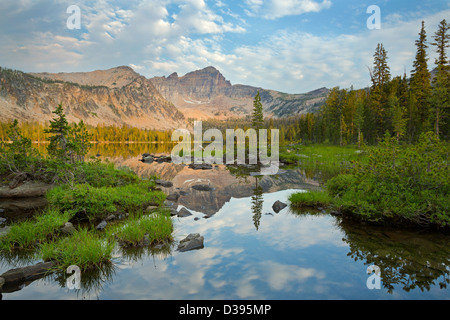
207, 94
118, 96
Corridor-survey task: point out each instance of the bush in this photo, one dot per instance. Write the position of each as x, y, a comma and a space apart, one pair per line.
399, 184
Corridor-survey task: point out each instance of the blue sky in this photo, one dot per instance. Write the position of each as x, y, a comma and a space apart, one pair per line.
291, 46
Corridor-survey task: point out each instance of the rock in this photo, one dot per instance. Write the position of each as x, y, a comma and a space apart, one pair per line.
173, 197
68, 228
203, 166
165, 184
202, 187
110, 218
102, 225
27, 273
2, 220
4, 231
146, 155
147, 160
151, 209
2, 210
28, 189
183, 213
173, 212
192, 242
278, 206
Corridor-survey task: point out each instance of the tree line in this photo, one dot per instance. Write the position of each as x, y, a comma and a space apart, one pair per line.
35, 131
405, 108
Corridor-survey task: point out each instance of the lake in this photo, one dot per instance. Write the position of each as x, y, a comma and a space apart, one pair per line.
252, 252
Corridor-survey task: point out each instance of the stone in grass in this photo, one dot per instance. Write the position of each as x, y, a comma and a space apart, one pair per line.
68, 228
192, 242
278, 206
102, 225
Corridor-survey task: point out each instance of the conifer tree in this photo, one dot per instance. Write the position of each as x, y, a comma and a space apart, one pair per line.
440, 101
421, 83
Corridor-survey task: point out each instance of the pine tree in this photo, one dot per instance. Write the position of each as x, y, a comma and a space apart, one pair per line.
258, 115
59, 128
440, 101
381, 73
421, 82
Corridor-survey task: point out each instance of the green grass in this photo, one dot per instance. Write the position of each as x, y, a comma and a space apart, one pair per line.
311, 199
87, 202
84, 249
155, 228
30, 233
321, 155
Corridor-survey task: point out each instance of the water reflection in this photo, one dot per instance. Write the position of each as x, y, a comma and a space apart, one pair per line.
408, 260
252, 253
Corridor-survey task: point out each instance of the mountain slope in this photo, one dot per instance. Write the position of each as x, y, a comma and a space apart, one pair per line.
117, 96
207, 94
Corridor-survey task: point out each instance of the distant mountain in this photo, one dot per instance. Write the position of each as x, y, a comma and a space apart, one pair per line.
205, 94
117, 96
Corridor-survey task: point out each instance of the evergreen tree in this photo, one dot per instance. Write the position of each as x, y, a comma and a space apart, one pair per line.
440, 101
258, 115
421, 83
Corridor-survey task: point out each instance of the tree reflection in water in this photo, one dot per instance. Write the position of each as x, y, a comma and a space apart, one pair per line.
257, 203
407, 259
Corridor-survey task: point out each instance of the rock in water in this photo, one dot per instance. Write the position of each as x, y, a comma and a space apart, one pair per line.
192, 242
184, 213
202, 187
278, 206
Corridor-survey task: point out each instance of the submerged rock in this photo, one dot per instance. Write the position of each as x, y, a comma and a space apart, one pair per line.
202, 187
192, 242
203, 166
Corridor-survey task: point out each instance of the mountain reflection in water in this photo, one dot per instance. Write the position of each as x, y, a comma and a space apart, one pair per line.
252, 252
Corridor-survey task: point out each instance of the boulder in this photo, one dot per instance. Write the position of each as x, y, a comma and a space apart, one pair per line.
192, 242
278, 206
28, 189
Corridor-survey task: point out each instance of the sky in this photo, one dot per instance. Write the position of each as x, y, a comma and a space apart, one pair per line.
292, 46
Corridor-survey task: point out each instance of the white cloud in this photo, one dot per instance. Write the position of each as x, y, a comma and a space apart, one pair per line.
274, 9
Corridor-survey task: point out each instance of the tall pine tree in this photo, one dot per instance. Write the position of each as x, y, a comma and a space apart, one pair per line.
421, 84
440, 101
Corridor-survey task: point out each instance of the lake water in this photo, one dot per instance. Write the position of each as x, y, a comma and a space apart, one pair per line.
251, 252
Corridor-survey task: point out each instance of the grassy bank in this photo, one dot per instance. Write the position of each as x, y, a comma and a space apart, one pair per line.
83, 194
397, 185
